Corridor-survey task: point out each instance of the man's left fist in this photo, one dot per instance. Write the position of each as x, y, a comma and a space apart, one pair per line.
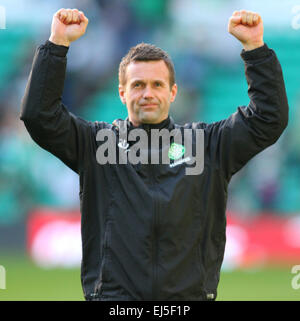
248, 28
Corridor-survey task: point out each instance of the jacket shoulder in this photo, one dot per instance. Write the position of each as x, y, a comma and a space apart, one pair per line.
193, 125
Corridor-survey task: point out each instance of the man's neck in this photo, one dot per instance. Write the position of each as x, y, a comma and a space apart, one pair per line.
141, 124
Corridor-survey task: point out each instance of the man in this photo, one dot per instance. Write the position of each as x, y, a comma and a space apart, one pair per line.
149, 230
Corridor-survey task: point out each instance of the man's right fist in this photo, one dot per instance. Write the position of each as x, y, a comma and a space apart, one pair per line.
67, 26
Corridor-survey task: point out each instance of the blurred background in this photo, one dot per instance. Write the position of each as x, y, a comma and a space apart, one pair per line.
40, 248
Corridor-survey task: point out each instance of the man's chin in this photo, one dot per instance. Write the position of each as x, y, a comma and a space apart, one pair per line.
150, 118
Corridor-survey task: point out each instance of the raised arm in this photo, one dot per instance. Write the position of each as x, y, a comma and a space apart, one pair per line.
256, 126
47, 120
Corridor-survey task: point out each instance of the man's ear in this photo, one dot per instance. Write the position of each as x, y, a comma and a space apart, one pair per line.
122, 94
173, 92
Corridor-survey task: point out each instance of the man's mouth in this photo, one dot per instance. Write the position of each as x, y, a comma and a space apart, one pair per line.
150, 105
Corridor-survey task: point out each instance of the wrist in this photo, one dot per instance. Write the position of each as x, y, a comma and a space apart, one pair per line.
252, 46
59, 42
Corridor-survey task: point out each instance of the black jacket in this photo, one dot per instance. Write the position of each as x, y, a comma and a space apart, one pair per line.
150, 232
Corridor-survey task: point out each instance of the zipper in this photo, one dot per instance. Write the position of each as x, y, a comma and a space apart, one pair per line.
155, 255
99, 287
155, 238
155, 220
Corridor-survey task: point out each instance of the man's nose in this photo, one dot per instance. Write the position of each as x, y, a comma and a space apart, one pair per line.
148, 93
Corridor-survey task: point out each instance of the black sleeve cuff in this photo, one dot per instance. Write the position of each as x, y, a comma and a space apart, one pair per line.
256, 54
56, 50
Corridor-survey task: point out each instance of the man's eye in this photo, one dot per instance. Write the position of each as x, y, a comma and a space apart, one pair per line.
136, 85
157, 84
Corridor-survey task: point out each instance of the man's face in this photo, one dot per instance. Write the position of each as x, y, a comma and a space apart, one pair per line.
147, 93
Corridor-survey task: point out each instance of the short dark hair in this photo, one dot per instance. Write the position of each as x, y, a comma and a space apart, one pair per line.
145, 52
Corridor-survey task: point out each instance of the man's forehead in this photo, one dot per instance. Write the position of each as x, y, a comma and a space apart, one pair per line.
147, 69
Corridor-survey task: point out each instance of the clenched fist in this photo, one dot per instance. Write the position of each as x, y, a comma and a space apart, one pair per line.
248, 28
67, 26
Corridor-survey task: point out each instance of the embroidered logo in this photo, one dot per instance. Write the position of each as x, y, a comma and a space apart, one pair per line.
176, 151
123, 144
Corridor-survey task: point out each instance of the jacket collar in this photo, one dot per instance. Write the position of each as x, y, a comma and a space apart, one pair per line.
167, 123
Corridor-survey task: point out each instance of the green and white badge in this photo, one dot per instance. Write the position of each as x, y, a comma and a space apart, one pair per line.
176, 151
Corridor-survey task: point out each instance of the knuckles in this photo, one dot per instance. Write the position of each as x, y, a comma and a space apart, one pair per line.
247, 17
70, 15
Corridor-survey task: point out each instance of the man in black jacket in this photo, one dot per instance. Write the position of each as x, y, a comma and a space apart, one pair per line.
149, 230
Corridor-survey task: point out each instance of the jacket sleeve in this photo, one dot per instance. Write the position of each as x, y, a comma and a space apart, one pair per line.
47, 120
254, 127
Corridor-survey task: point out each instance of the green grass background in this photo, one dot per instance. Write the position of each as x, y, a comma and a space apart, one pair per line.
25, 281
